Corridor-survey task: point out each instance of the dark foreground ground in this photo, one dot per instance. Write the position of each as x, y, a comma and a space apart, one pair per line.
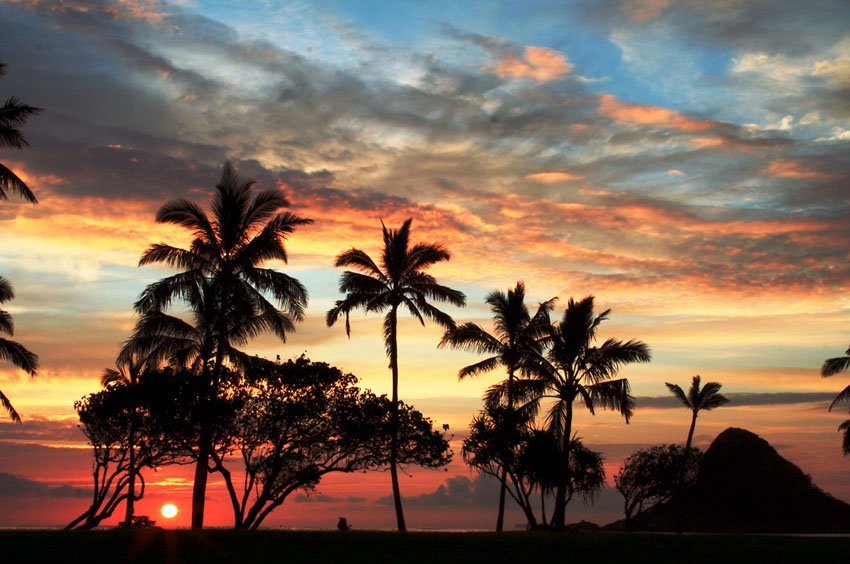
215, 546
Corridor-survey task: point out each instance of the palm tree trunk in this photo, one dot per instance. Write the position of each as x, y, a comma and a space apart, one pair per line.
560, 510
199, 489
691, 432
500, 518
394, 424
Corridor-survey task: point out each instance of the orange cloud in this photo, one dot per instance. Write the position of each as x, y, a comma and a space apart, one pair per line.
612, 108
553, 177
644, 11
794, 169
540, 63
149, 11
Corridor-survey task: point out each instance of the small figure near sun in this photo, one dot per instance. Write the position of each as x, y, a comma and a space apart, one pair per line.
169, 511
343, 525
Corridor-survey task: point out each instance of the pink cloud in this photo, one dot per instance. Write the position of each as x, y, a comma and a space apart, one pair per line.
641, 114
540, 63
782, 168
553, 177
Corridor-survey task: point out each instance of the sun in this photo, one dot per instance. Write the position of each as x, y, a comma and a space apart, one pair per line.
169, 510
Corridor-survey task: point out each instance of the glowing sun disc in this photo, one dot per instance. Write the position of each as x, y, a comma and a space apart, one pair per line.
169, 510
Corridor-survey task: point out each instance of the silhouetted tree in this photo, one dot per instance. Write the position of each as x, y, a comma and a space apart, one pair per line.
698, 399
571, 369
13, 115
399, 281
223, 283
585, 475
302, 420
130, 427
11, 350
516, 333
832, 366
654, 475
531, 459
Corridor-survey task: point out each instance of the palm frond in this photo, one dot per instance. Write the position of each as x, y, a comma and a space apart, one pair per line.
7, 405
14, 115
360, 260
479, 367
832, 366
471, 337
18, 355
615, 395
112, 377
7, 292
7, 325
679, 393
845, 442
188, 214
843, 396
10, 182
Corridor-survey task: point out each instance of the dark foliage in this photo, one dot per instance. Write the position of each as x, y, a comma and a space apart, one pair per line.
654, 475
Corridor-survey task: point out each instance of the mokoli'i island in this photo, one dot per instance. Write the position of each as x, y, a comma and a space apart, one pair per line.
425, 265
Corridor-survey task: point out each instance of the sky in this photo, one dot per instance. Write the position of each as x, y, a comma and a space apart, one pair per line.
684, 162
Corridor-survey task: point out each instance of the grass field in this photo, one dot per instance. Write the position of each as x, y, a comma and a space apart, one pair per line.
259, 547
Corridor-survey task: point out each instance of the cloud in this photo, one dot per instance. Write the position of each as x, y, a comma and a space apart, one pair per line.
17, 486
540, 63
640, 114
321, 498
457, 491
553, 177
744, 399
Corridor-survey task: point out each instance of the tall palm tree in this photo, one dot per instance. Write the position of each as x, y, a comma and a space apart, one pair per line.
697, 400
126, 373
832, 366
572, 369
13, 115
11, 350
516, 333
224, 285
399, 281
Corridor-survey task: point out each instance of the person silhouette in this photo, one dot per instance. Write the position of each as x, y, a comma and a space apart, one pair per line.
343, 525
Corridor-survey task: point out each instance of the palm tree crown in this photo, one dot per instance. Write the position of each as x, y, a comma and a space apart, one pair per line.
221, 278
832, 366
10, 350
573, 368
13, 115
698, 399
399, 281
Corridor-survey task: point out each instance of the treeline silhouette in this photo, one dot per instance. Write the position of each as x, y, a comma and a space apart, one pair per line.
184, 392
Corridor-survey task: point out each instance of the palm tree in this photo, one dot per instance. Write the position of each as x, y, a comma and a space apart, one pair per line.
222, 282
830, 367
697, 400
11, 350
571, 369
400, 281
126, 373
515, 335
13, 115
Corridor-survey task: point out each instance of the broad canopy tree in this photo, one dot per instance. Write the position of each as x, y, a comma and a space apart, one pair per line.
654, 475
302, 420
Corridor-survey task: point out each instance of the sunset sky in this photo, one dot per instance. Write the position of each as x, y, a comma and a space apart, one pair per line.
688, 165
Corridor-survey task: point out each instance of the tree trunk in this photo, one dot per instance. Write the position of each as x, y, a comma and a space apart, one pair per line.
691, 432
559, 512
394, 423
500, 518
131, 484
199, 489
